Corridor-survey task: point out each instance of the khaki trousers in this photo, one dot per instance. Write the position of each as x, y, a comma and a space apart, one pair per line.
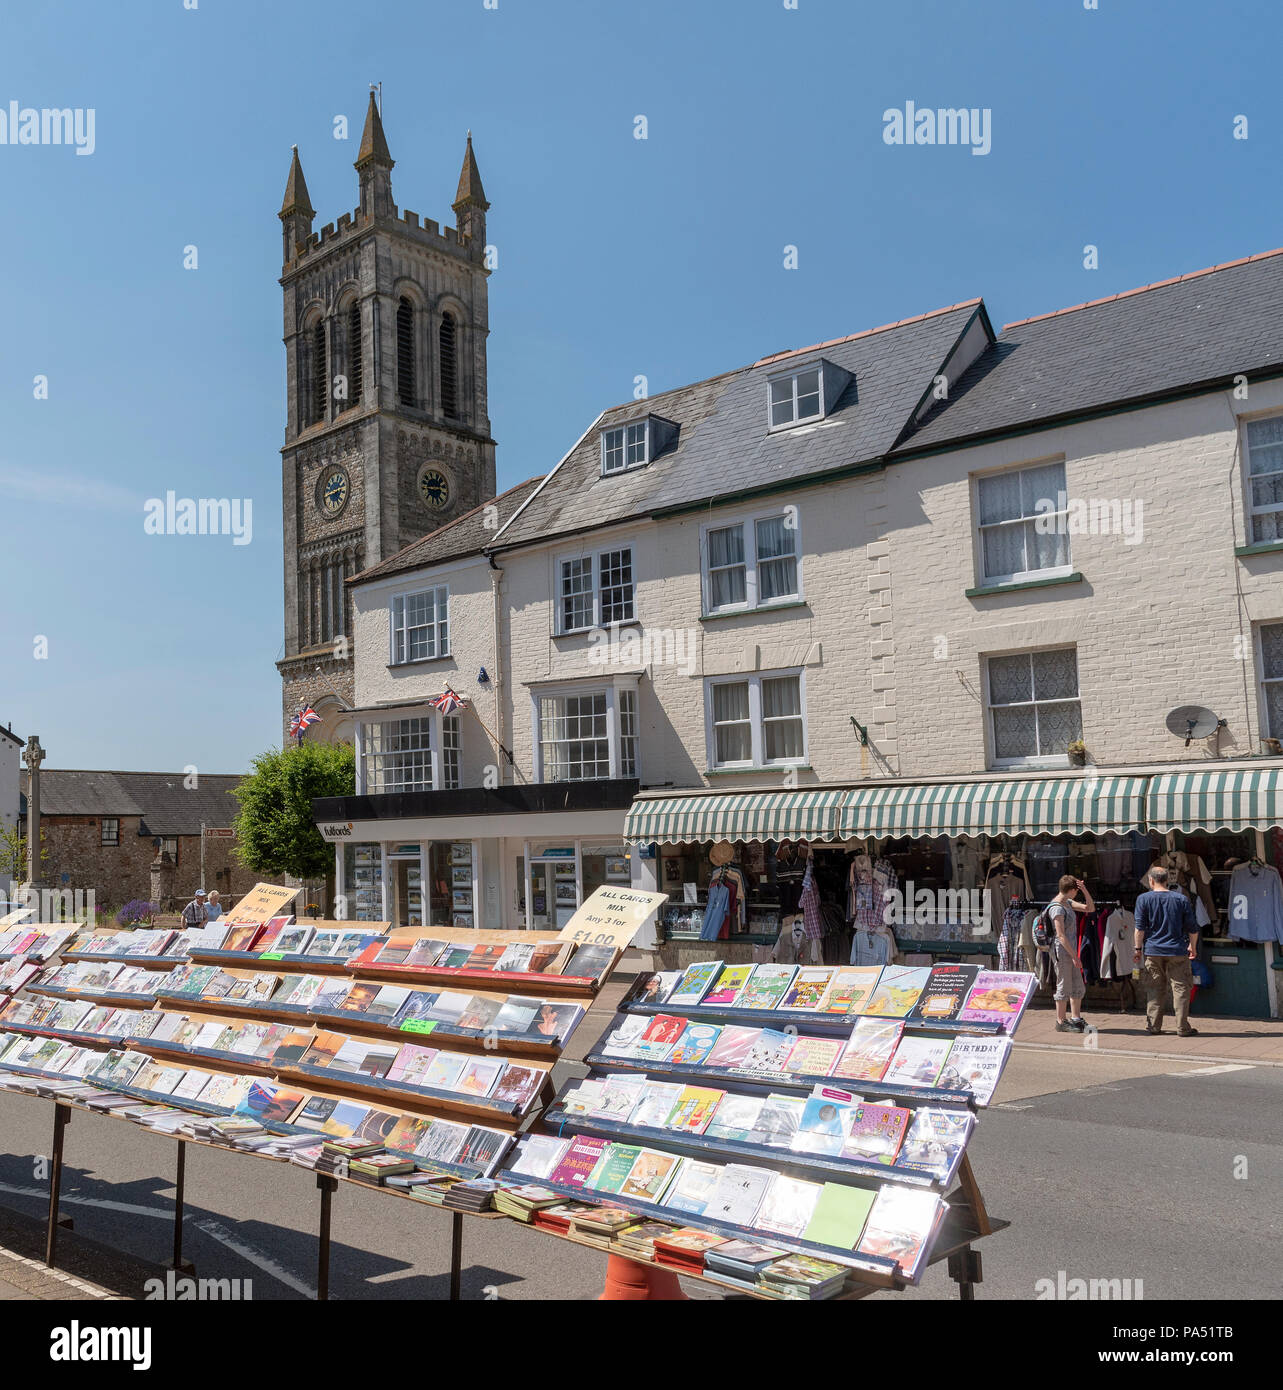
1162, 971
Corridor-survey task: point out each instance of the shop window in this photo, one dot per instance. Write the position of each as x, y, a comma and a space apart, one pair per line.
585, 735
1034, 710
420, 625
363, 882
756, 722
751, 564
1265, 479
596, 590
110, 830
396, 756
1021, 516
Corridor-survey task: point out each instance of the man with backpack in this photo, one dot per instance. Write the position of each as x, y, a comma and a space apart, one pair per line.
1056, 931
1167, 942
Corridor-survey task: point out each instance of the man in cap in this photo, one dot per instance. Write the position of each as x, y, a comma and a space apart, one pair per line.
194, 916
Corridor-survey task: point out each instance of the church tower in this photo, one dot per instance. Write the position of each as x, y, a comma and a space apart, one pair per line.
387, 435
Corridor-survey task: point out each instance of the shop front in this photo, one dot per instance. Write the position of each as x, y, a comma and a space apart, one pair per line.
921, 872
495, 858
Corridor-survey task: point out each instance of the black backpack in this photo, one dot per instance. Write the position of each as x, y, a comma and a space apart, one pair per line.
1044, 930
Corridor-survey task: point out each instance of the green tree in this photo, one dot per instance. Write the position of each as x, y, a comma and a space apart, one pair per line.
275, 832
13, 852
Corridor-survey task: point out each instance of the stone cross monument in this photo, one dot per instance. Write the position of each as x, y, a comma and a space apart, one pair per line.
33, 755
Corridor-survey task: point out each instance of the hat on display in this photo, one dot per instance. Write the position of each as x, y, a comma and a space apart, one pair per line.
721, 853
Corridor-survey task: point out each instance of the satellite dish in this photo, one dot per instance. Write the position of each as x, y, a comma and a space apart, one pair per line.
1193, 721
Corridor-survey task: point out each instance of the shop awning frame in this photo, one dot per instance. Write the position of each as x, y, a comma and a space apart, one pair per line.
1226, 799
1010, 806
748, 816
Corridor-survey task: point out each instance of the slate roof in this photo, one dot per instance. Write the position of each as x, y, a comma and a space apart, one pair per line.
166, 806
465, 535
723, 446
9, 733
1195, 330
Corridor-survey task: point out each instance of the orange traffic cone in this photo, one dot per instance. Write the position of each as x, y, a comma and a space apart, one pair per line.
628, 1281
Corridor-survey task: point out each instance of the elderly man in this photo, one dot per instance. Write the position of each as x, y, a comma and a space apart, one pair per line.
194, 915
1167, 941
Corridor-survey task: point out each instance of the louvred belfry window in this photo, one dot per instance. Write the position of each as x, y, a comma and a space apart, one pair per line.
405, 353
317, 394
355, 366
448, 355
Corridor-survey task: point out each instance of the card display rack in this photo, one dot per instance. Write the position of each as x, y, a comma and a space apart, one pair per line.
536, 1051
824, 1158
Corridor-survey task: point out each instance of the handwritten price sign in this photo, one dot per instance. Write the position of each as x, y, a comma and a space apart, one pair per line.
612, 916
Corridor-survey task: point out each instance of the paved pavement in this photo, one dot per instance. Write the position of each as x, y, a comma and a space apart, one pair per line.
1115, 1160
1219, 1039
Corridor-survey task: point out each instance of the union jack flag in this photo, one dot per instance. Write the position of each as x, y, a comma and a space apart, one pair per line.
448, 702
303, 720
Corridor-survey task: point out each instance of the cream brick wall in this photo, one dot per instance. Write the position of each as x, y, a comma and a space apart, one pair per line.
885, 632
829, 636
471, 647
1156, 624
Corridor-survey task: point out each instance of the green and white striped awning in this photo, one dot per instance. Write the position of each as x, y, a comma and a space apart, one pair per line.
1247, 799
802, 815
1012, 806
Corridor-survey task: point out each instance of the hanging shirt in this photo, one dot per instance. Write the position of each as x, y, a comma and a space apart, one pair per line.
812, 920
1009, 938
1117, 951
869, 902
870, 947
1256, 903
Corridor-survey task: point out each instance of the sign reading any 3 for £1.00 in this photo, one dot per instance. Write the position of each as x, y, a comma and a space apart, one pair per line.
612, 916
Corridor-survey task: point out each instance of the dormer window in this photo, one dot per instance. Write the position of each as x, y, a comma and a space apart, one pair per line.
626, 446
635, 444
809, 393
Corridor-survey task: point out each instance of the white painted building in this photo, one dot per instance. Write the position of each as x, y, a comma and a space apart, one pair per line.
911, 568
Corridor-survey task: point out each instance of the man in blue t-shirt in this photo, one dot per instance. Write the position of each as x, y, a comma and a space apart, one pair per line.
1167, 941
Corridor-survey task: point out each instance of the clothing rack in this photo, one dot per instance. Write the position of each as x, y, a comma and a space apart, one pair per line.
1027, 904
1126, 990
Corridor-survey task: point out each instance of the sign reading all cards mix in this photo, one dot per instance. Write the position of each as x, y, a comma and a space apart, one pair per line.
263, 901
612, 916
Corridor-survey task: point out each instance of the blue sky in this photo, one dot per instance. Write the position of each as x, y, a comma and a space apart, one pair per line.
618, 257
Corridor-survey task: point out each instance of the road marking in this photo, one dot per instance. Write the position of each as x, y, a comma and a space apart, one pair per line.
216, 1231
69, 1199
1013, 1105
1136, 1054
1215, 1071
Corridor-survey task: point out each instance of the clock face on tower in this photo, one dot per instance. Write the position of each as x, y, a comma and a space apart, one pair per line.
333, 493
434, 487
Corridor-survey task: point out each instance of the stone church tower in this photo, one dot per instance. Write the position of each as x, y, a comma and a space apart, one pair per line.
387, 435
